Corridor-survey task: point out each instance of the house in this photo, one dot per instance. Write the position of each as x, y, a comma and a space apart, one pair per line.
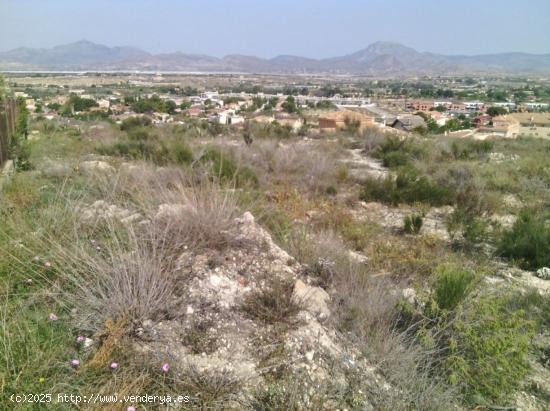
504, 126
407, 122
228, 117
291, 120
337, 120
474, 106
481, 121
193, 111
104, 104
532, 124
418, 105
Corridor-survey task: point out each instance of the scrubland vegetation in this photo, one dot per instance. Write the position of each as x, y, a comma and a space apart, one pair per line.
436, 316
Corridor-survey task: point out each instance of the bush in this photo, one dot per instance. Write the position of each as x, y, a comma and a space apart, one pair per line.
488, 350
407, 188
452, 284
224, 167
142, 146
471, 149
273, 303
134, 122
395, 152
466, 229
528, 241
412, 224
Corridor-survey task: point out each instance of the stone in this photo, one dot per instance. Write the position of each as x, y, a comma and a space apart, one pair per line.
96, 166
314, 299
543, 273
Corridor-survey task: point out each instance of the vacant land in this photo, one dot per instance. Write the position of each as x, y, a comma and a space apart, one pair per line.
253, 270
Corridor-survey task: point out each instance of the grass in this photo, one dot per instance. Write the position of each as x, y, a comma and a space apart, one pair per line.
472, 348
273, 303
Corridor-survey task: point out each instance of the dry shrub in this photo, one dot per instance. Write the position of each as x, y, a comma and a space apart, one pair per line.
111, 340
202, 217
186, 211
210, 388
125, 275
366, 310
273, 303
311, 167
406, 256
109, 270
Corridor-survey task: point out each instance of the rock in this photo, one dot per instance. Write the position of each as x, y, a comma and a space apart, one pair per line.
543, 273
314, 299
131, 218
101, 209
409, 294
96, 166
54, 169
169, 211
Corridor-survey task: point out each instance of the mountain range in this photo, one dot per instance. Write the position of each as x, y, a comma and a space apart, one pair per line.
380, 58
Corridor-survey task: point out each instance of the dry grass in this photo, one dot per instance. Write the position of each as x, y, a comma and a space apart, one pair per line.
273, 303
309, 167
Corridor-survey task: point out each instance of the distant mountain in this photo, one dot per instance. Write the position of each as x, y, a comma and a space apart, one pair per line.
380, 58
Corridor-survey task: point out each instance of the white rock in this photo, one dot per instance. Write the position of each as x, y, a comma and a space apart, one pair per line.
543, 273
314, 299
215, 280
96, 166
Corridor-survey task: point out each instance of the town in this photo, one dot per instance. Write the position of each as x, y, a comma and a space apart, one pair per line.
462, 107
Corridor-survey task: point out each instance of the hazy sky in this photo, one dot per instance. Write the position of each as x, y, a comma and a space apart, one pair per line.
266, 28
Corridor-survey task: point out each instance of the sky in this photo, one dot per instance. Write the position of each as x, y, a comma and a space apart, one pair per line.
266, 28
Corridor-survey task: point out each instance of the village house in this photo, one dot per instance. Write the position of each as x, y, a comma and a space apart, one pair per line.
503, 126
337, 120
481, 121
532, 124
407, 122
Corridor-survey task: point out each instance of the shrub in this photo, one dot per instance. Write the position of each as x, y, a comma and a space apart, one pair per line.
528, 241
199, 214
488, 350
224, 167
395, 152
141, 146
470, 149
181, 154
274, 303
407, 188
466, 229
22, 154
134, 122
412, 224
138, 134
452, 284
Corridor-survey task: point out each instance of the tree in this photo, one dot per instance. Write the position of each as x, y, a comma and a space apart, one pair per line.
325, 104
3, 91
289, 105
496, 111
54, 106
22, 124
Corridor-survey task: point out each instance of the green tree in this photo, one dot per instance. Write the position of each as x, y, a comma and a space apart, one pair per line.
289, 105
3, 90
496, 111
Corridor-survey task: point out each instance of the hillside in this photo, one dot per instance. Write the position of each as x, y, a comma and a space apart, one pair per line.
380, 58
